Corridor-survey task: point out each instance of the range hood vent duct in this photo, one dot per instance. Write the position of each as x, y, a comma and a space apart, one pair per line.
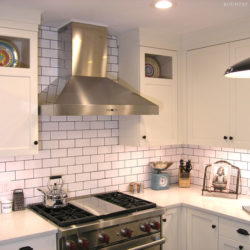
82, 87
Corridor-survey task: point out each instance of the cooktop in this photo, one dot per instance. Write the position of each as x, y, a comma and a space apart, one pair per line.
93, 207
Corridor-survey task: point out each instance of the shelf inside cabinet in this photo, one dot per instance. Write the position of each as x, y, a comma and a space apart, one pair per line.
18, 48
158, 66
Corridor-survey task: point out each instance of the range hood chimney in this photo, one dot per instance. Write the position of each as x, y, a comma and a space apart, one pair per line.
82, 87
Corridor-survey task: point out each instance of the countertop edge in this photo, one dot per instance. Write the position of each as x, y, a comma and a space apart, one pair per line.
29, 236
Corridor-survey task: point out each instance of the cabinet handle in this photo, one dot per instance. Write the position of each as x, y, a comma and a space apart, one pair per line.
35, 142
213, 226
26, 248
242, 231
144, 137
231, 138
225, 137
164, 220
241, 247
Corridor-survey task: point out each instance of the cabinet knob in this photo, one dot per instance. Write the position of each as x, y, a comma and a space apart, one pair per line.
164, 220
225, 137
213, 226
231, 138
144, 137
35, 142
241, 247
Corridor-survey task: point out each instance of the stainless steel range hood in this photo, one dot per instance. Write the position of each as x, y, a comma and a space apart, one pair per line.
82, 87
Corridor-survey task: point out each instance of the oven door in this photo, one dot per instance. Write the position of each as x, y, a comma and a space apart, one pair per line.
151, 242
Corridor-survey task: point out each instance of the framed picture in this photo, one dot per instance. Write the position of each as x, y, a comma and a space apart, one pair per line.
221, 177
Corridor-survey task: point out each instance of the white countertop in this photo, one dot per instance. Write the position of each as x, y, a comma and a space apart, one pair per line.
24, 224
192, 197
27, 224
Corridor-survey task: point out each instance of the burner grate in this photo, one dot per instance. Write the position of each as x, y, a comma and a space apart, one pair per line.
131, 203
64, 216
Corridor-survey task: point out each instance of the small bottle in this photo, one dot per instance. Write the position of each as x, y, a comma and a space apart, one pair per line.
135, 188
141, 187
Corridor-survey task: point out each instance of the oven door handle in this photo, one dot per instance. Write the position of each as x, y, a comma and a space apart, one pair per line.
151, 244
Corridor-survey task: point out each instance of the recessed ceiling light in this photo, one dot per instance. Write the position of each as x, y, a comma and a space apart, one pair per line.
163, 4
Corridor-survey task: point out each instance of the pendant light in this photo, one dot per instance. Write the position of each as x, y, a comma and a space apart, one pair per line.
239, 70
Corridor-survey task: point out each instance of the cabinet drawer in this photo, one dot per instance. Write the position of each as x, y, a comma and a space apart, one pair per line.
235, 230
229, 244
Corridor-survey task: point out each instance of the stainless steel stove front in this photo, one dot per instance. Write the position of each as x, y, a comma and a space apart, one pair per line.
139, 230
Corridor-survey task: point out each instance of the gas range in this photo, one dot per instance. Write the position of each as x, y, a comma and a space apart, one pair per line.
111, 220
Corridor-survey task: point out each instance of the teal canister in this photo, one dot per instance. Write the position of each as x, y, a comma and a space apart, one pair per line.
160, 181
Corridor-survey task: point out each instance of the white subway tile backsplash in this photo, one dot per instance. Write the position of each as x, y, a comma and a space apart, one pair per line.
49, 163
82, 159
104, 182
16, 165
74, 134
55, 153
37, 182
75, 169
67, 161
66, 125
90, 184
104, 166
66, 143
44, 172
97, 175
90, 167
24, 174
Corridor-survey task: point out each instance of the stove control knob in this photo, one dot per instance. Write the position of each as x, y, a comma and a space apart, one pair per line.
71, 245
155, 225
83, 243
145, 227
103, 238
126, 232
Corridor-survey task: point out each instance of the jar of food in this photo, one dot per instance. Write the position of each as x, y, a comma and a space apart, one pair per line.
6, 206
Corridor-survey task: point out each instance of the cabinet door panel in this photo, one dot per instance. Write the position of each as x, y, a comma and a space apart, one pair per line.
229, 244
160, 129
17, 115
170, 230
200, 233
208, 95
241, 102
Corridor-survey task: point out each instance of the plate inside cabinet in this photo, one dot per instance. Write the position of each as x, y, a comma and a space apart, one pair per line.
152, 68
8, 54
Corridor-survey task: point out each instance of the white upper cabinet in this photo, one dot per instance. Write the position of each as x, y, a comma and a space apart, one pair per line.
208, 96
18, 93
149, 130
240, 107
218, 106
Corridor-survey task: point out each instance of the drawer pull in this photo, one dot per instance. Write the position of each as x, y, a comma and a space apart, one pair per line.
26, 248
242, 231
241, 247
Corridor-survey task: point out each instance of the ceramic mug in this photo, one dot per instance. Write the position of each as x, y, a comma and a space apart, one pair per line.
6, 206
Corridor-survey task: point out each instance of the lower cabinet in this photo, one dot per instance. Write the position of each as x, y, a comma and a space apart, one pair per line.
47, 242
202, 231
233, 235
170, 229
229, 244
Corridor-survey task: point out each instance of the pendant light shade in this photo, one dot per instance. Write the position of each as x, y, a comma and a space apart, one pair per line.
239, 70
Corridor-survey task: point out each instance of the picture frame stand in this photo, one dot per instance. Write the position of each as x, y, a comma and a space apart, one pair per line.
221, 178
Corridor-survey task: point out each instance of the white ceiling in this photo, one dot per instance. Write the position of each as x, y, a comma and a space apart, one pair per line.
121, 15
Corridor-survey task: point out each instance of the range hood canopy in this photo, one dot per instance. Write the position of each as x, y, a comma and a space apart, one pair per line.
82, 87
